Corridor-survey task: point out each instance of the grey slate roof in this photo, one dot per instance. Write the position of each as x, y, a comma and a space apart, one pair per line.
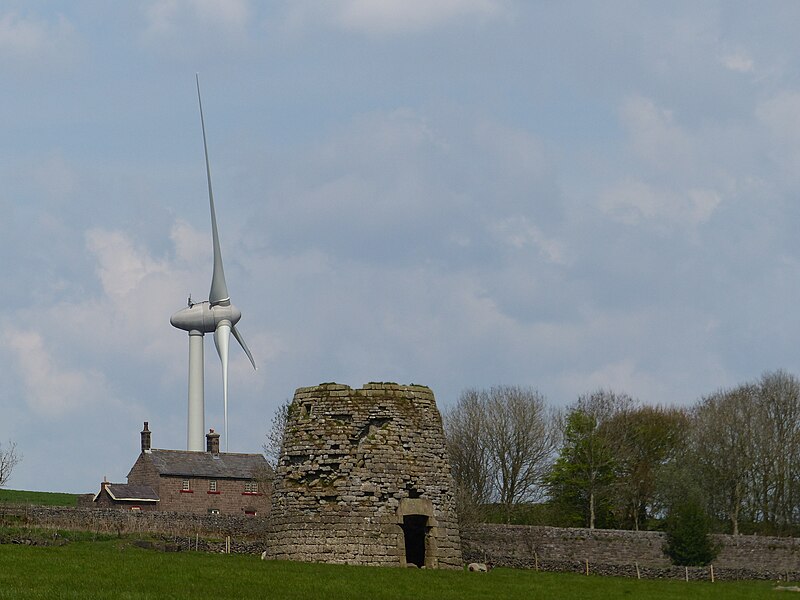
225, 465
124, 491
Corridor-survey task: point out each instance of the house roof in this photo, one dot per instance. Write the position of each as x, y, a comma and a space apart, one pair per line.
124, 491
225, 465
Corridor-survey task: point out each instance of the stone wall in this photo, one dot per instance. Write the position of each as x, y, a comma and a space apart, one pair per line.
608, 552
622, 552
121, 521
364, 478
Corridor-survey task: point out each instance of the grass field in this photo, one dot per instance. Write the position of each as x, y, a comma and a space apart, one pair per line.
114, 568
40, 498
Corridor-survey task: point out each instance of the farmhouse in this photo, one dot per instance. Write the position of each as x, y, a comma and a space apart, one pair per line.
210, 482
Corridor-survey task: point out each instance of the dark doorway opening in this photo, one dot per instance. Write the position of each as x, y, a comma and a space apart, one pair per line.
414, 529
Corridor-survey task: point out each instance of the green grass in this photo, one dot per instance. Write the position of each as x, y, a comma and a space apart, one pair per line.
39, 498
113, 568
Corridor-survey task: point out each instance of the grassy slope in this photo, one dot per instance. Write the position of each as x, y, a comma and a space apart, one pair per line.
115, 569
40, 498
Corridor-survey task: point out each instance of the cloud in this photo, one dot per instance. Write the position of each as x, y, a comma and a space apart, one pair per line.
739, 62
121, 267
51, 389
166, 17
519, 233
634, 202
26, 41
392, 17
186, 28
653, 133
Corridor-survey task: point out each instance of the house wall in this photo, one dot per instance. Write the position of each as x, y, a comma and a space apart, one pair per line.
229, 499
144, 473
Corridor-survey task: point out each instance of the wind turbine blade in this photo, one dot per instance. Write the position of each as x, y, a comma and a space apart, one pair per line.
222, 335
219, 289
240, 339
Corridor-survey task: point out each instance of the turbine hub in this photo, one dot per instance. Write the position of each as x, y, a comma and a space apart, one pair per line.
204, 318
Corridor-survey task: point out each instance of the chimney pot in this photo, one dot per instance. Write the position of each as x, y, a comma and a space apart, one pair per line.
145, 438
212, 442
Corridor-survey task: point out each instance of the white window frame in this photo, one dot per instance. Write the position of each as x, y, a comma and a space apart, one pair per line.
186, 485
212, 485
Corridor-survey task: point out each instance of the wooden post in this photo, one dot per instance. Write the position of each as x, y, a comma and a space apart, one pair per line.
227, 544
638, 575
687, 573
587, 566
196, 541
712, 573
536, 561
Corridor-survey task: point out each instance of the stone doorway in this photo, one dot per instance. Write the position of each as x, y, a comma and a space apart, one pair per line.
415, 530
418, 530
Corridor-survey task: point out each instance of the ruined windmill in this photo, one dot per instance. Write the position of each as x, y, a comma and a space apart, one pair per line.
364, 478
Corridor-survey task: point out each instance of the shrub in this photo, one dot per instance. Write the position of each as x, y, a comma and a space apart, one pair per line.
688, 535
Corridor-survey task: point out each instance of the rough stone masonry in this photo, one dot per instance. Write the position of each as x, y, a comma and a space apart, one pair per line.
364, 478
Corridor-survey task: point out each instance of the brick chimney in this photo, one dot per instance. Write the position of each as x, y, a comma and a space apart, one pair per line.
212, 442
145, 438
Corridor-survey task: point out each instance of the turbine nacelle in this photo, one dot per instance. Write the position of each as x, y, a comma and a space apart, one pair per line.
204, 317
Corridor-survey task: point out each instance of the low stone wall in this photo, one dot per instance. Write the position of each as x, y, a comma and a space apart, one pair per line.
119, 521
608, 552
617, 552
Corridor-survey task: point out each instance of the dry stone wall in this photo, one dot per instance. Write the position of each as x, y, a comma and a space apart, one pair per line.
364, 478
617, 552
121, 521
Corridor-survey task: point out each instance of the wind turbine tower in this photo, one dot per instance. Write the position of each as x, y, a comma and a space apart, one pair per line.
217, 315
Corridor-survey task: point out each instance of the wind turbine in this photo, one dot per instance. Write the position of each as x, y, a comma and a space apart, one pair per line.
216, 315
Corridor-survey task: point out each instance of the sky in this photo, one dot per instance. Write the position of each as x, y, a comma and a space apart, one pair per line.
460, 193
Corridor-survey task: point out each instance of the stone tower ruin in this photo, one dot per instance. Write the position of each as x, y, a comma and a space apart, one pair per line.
364, 478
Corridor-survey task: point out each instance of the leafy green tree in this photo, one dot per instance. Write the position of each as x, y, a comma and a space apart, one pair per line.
582, 475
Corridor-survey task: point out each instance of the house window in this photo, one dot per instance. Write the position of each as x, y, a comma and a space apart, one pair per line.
135, 508
250, 513
212, 485
186, 485
250, 487
213, 511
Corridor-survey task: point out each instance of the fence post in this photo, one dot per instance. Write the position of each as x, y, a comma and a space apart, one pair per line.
712, 573
638, 575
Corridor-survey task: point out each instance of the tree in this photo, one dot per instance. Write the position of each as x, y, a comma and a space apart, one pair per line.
644, 440
776, 450
584, 470
688, 535
500, 443
583, 474
9, 458
745, 449
722, 445
521, 441
467, 447
274, 439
